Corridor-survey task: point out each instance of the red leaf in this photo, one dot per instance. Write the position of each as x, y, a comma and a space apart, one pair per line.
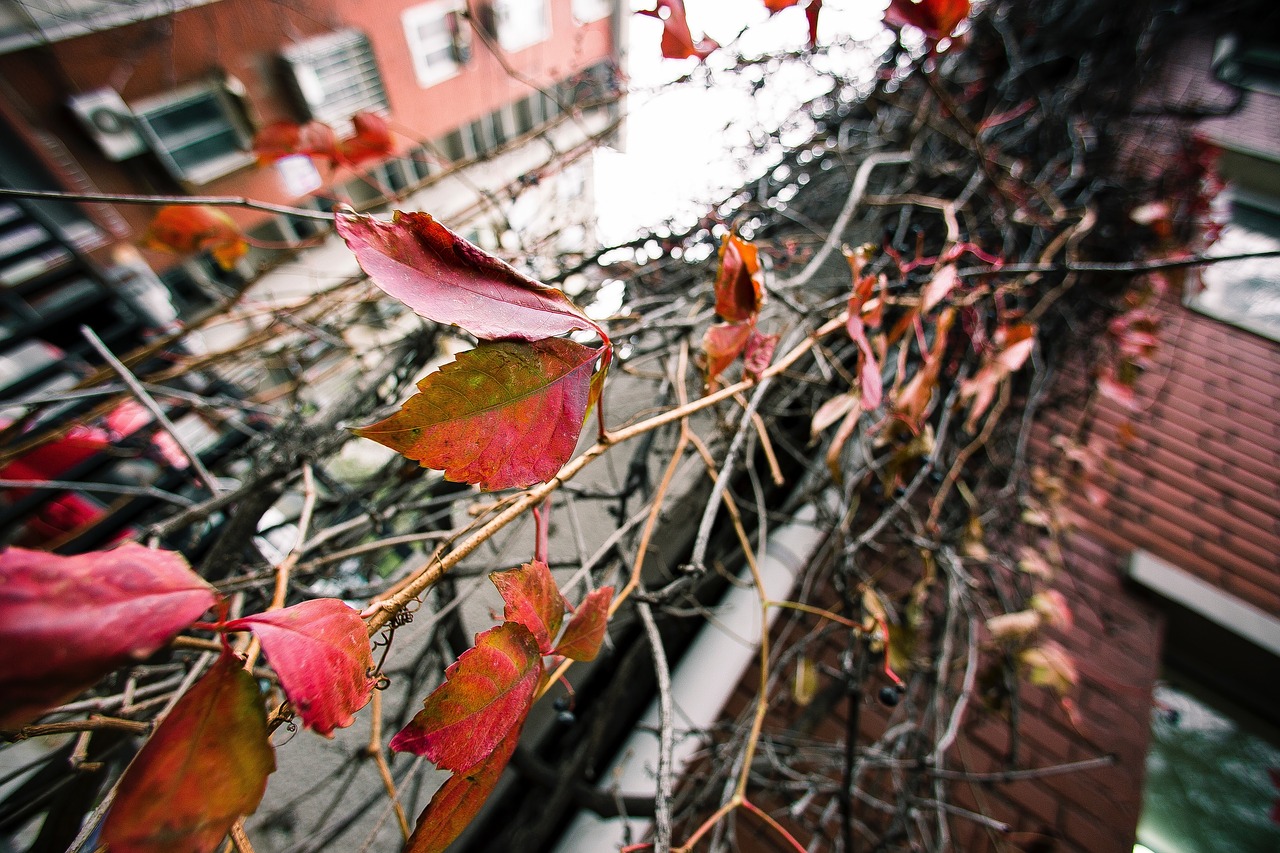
371, 142
833, 410
444, 278
677, 40
67, 621
483, 702
285, 139
205, 766
738, 291
459, 800
320, 650
532, 600
189, 228
582, 639
811, 12
868, 368
505, 414
912, 401
1013, 345
722, 343
939, 287
758, 354
937, 18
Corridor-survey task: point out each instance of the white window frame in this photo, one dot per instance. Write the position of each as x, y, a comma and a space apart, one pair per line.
164, 146
512, 19
426, 31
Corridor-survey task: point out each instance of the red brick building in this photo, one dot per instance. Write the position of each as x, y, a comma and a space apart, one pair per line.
165, 98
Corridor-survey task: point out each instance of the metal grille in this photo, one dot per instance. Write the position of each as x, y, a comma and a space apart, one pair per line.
336, 76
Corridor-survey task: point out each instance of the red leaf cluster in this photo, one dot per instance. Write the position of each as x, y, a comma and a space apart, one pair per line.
471, 723
508, 413
186, 229
319, 141
67, 621
677, 39
1012, 345
739, 297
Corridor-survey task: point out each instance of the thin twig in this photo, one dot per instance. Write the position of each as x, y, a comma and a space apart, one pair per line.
152, 406
666, 736
189, 200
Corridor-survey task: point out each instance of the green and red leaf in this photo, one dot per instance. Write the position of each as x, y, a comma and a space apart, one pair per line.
186, 229
505, 414
205, 766
446, 279
532, 600
483, 702
67, 621
320, 650
585, 633
458, 801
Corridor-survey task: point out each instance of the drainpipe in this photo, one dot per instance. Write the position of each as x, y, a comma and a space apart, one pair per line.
701, 683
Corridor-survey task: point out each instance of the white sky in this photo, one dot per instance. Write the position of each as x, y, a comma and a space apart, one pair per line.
676, 139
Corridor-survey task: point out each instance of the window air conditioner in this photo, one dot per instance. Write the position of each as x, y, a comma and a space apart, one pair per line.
109, 122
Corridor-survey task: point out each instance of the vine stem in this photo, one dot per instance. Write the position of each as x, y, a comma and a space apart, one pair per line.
381, 612
186, 201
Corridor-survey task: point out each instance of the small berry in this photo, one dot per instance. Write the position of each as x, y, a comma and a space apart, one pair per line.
889, 696
566, 718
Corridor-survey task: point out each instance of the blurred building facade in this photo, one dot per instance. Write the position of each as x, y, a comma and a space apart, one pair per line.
164, 98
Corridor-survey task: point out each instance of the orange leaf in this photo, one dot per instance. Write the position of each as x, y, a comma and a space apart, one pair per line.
738, 288
371, 142
285, 139
206, 765
722, 343
187, 229
912, 401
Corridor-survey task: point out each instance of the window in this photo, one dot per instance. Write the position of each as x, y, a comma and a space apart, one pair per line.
335, 76
1209, 787
521, 23
196, 131
1245, 293
439, 40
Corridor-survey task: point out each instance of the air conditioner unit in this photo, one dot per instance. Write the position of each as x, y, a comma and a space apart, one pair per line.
109, 122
